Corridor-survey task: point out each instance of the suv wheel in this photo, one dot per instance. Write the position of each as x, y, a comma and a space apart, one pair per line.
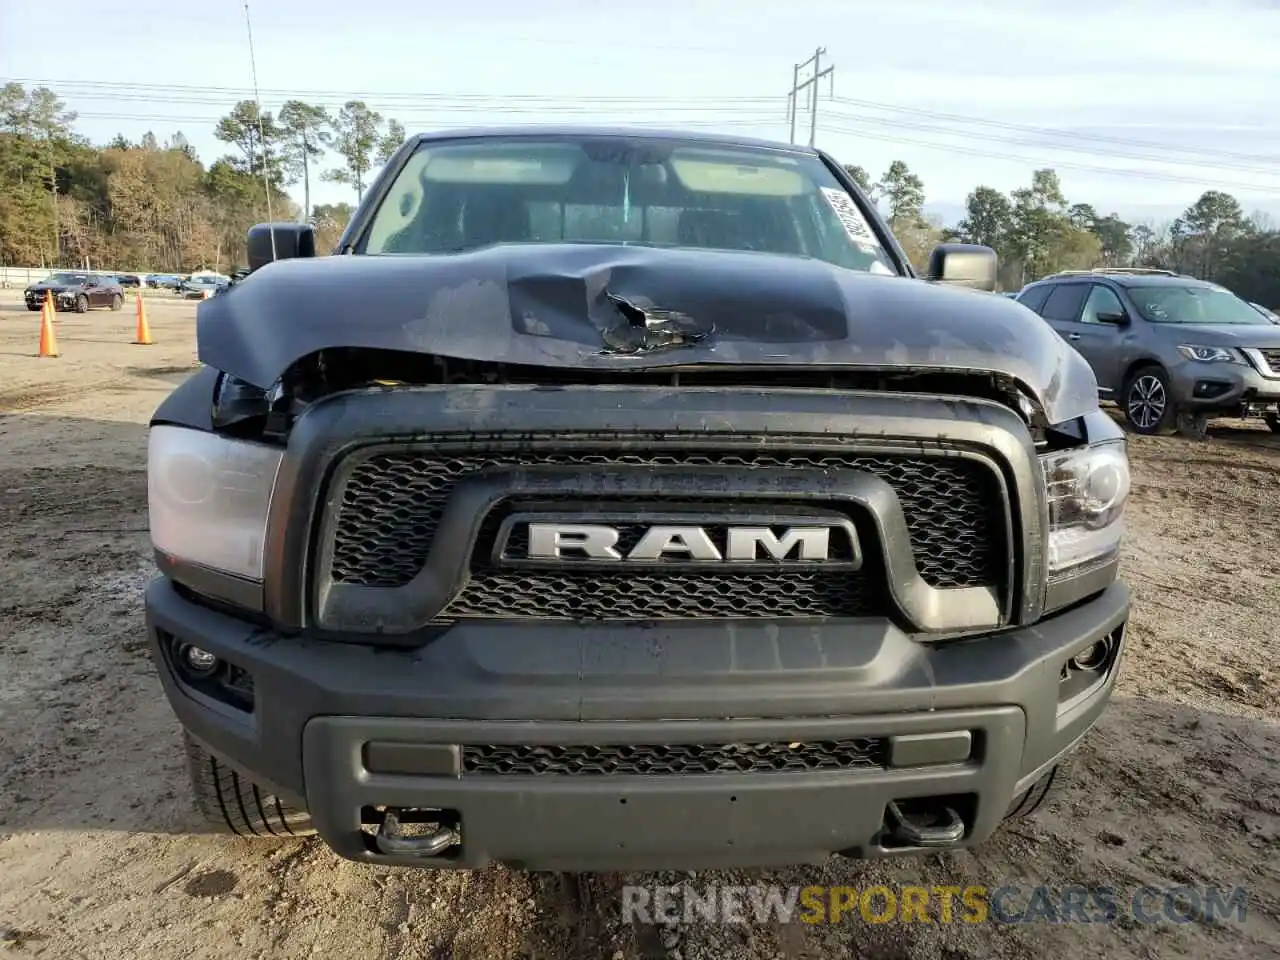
1273, 421
82, 304
235, 804
1148, 408
1193, 426
117, 301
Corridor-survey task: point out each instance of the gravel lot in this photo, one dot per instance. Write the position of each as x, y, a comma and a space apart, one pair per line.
101, 854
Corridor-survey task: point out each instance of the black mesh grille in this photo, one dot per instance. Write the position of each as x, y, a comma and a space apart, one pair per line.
1273, 358
597, 595
391, 503
641, 759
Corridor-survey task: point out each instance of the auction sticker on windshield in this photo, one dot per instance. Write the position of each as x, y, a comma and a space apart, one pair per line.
851, 218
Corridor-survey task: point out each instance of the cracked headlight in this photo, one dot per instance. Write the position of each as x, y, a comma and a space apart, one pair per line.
208, 498
1087, 490
1203, 354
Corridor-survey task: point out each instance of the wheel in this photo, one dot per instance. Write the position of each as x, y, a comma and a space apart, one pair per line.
1193, 426
1273, 422
117, 301
236, 804
82, 304
33, 306
1033, 797
1145, 399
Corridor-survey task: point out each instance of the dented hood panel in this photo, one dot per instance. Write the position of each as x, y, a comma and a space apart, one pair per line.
615, 307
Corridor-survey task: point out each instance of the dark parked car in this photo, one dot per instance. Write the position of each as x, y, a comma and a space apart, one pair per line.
129, 280
1171, 350
623, 499
197, 288
76, 291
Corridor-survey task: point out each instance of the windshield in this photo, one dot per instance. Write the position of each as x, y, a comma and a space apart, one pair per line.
462, 195
69, 278
1174, 304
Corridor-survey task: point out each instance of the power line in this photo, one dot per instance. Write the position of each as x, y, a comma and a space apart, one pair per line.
1051, 132
1030, 161
343, 95
1267, 170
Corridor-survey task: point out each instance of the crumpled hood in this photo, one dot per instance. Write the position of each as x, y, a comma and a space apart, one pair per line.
615, 307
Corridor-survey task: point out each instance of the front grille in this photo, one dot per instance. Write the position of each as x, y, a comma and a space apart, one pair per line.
634, 759
597, 595
1272, 356
391, 502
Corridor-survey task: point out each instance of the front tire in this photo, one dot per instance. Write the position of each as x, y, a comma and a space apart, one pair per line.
82, 304
235, 804
1034, 796
117, 301
1147, 403
1273, 422
33, 307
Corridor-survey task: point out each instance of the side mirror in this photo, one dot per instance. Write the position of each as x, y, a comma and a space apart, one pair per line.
290, 240
964, 265
1120, 319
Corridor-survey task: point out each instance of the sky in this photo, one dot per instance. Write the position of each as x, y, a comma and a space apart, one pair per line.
1139, 106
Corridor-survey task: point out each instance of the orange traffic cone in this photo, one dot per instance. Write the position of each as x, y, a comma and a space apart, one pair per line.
49, 304
143, 337
48, 342
205, 295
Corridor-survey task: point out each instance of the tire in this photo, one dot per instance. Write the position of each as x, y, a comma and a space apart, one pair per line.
1145, 394
235, 804
1193, 426
1033, 797
33, 308
82, 304
117, 301
1273, 422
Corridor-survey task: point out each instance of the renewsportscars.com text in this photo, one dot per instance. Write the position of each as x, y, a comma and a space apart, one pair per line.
971, 904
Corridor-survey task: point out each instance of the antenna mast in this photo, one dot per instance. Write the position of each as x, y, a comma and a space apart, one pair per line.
262, 137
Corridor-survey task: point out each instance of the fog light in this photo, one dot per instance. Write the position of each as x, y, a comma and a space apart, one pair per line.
199, 663
1092, 658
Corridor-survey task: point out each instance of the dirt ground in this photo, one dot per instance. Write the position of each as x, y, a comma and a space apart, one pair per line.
102, 855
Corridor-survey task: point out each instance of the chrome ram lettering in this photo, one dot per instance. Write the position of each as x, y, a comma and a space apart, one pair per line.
588, 541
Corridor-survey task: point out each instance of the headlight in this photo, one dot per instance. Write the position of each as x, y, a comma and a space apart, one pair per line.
1087, 489
1210, 354
208, 498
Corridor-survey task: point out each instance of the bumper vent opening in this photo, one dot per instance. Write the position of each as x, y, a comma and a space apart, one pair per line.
521, 760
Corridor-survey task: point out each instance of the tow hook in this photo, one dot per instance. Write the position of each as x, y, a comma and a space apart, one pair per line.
926, 834
393, 842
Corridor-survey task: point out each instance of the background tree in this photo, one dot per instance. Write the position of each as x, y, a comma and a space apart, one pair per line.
1205, 231
861, 178
988, 220
903, 193
330, 220
391, 141
256, 137
354, 135
303, 126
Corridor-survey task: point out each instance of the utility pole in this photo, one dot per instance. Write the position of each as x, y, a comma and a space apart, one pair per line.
797, 86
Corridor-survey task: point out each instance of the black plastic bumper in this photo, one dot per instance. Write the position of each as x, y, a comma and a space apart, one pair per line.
318, 706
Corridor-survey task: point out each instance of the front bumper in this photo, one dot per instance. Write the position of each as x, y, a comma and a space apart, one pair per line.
1226, 387
61, 298
318, 706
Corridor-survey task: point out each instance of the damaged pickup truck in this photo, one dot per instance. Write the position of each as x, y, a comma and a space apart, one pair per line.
618, 499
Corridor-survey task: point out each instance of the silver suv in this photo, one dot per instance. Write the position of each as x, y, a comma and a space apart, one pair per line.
1171, 350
